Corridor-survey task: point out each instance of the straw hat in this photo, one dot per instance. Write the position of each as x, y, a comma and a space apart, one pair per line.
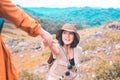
68, 27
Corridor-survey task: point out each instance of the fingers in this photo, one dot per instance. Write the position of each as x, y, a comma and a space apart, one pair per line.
44, 43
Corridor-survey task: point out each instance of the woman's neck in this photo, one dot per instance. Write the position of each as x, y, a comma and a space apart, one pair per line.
66, 46
69, 51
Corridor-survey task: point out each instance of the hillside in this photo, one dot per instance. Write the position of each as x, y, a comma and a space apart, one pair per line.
52, 19
99, 60
85, 16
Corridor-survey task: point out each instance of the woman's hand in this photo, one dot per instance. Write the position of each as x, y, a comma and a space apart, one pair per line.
50, 42
44, 43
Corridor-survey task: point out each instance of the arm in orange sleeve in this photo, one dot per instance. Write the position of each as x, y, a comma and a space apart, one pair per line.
11, 12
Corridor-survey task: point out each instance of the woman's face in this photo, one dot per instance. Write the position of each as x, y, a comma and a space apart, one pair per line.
67, 37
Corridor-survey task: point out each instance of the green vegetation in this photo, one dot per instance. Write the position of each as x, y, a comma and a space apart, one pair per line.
52, 26
84, 15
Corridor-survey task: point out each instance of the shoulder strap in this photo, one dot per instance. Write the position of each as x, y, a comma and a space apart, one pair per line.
50, 59
77, 53
1, 23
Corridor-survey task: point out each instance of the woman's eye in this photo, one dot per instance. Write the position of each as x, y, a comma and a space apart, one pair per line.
71, 32
64, 32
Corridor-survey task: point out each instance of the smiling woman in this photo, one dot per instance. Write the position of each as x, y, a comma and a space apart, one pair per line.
69, 3
66, 53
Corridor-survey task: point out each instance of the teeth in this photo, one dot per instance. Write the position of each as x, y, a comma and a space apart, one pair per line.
67, 39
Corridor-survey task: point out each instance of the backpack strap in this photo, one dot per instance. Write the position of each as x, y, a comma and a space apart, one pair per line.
1, 23
50, 59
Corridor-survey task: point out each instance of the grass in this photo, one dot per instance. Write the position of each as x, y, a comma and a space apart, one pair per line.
97, 64
91, 44
111, 35
30, 59
25, 75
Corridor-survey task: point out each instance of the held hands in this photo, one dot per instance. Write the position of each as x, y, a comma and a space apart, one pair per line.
44, 44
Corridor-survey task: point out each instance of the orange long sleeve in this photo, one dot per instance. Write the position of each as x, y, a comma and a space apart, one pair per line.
18, 17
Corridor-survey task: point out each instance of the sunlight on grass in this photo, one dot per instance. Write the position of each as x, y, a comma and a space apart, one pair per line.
25, 75
91, 44
113, 36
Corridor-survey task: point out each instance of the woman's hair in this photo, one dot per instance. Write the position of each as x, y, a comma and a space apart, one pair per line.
73, 44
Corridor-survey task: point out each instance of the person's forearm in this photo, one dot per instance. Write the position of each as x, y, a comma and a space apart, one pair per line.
47, 36
11, 12
50, 42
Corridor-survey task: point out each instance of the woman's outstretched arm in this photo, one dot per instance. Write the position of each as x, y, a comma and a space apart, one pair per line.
51, 44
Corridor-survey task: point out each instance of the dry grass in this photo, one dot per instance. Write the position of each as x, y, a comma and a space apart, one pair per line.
86, 32
28, 60
92, 64
111, 35
91, 44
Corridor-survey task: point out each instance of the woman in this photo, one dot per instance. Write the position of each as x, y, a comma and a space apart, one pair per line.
66, 53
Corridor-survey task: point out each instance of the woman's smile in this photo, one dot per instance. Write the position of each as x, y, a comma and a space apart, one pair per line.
67, 37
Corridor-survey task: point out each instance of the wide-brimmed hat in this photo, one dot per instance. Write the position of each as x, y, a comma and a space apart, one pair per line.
68, 27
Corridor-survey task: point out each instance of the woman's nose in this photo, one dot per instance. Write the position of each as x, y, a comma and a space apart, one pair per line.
67, 34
